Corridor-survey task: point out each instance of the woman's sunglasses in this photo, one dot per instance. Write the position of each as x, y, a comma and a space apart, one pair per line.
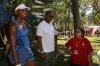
77, 31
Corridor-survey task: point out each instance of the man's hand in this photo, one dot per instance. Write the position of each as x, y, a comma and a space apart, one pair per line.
42, 55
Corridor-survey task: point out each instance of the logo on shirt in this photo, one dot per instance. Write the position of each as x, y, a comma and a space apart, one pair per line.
83, 44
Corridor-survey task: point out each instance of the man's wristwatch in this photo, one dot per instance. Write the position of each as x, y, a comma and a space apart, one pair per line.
18, 65
41, 52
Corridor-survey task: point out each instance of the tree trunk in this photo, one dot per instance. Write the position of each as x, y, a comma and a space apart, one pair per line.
75, 11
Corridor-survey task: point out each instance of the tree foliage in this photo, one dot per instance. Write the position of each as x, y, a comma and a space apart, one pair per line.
96, 12
60, 8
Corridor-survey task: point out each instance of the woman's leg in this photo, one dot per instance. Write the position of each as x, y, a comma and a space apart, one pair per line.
30, 63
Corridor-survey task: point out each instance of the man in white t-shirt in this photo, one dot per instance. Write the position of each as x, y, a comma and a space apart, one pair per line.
46, 40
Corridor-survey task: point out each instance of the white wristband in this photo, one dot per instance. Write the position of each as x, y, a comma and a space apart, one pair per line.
18, 65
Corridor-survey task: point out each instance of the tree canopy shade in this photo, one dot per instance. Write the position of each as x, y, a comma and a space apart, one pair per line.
5, 15
61, 7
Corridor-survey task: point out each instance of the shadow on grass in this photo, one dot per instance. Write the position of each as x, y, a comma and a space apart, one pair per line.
62, 38
65, 61
96, 41
61, 60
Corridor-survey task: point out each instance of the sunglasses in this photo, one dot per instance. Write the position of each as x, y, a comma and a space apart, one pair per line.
51, 16
77, 31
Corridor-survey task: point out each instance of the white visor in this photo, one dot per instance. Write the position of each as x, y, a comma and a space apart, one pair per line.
21, 6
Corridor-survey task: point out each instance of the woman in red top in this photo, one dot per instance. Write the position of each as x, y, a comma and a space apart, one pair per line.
80, 48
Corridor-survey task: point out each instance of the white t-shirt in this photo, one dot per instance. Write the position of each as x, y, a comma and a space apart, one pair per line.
47, 32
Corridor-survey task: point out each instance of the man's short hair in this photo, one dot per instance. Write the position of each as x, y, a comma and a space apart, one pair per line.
47, 12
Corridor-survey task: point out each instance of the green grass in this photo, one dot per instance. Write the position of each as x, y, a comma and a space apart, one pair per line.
95, 41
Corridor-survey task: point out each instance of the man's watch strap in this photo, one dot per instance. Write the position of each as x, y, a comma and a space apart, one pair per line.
41, 52
18, 65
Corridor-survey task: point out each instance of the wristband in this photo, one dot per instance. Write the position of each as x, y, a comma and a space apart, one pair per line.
18, 65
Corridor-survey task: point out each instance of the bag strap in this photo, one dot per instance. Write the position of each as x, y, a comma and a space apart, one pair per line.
4, 39
1, 35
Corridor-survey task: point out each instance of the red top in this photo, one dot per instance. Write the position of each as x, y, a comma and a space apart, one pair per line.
83, 47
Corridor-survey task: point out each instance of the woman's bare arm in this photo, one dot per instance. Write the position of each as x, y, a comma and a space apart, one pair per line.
12, 33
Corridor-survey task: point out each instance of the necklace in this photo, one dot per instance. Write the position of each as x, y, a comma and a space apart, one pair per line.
78, 42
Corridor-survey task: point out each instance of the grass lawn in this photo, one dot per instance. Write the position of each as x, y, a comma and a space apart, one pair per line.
95, 41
